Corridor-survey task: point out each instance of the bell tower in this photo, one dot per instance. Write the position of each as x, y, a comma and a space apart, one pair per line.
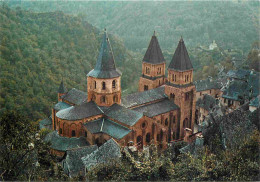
153, 67
180, 87
104, 81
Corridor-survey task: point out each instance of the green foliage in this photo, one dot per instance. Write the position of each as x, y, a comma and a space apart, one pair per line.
38, 49
253, 58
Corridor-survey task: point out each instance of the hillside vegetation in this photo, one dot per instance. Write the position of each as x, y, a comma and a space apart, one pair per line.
233, 24
38, 49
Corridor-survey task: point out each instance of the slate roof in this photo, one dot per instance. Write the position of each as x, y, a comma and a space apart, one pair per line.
61, 105
73, 164
255, 102
207, 102
63, 143
154, 54
194, 147
206, 84
105, 66
62, 88
78, 112
107, 126
181, 60
75, 96
45, 123
157, 108
253, 84
238, 74
124, 115
237, 90
106, 152
140, 98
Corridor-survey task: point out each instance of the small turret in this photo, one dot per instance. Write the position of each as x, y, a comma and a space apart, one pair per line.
62, 90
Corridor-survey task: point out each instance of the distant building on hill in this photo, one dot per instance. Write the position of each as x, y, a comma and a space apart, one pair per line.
213, 45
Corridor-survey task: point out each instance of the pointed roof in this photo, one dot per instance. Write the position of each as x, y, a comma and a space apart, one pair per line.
180, 60
105, 66
62, 89
154, 54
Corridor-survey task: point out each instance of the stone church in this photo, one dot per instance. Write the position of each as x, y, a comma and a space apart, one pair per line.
159, 113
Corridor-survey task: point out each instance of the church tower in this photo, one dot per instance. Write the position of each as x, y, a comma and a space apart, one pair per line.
153, 67
104, 81
180, 87
61, 91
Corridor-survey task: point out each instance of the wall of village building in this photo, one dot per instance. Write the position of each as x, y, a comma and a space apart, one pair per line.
105, 92
216, 93
231, 104
202, 114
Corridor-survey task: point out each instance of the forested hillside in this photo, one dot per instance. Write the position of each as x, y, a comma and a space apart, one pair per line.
38, 49
233, 24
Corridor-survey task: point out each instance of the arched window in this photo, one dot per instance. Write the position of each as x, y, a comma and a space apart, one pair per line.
166, 122
175, 78
115, 98
103, 99
60, 131
139, 140
103, 85
93, 98
86, 134
73, 133
143, 125
145, 87
172, 96
187, 78
173, 119
114, 84
185, 123
148, 138
95, 84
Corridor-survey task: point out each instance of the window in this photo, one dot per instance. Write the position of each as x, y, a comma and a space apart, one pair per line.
187, 96
174, 119
145, 87
86, 134
148, 138
187, 78
210, 91
114, 84
103, 86
172, 96
143, 125
73, 133
173, 77
166, 122
200, 93
60, 131
93, 98
159, 82
95, 84
147, 70
115, 98
103, 99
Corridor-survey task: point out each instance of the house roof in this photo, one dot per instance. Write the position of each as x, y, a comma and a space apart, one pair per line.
78, 112
62, 88
61, 105
124, 115
181, 60
238, 74
106, 152
64, 143
45, 123
75, 96
105, 66
157, 108
140, 98
207, 102
255, 102
73, 162
237, 90
207, 84
154, 54
107, 126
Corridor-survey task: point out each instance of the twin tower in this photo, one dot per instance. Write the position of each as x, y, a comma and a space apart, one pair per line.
104, 81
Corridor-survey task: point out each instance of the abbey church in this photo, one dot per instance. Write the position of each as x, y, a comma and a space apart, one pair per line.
161, 112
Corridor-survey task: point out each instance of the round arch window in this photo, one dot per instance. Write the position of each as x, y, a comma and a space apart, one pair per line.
143, 125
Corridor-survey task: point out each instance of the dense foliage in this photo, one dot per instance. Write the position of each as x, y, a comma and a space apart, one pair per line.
38, 49
233, 24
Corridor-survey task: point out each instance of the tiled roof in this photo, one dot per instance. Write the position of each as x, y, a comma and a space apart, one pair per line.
62, 88
75, 96
237, 90
105, 66
207, 84
181, 60
255, 102
73, 162
78, 112
45, 123
207, 102
140, 98
157, 108
107, 126
154, 54
124, 115
61, 105
106, 152
63, 143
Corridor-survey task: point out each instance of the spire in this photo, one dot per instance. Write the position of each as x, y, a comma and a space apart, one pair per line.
62, 88
105, 66
181, 60
154, 54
